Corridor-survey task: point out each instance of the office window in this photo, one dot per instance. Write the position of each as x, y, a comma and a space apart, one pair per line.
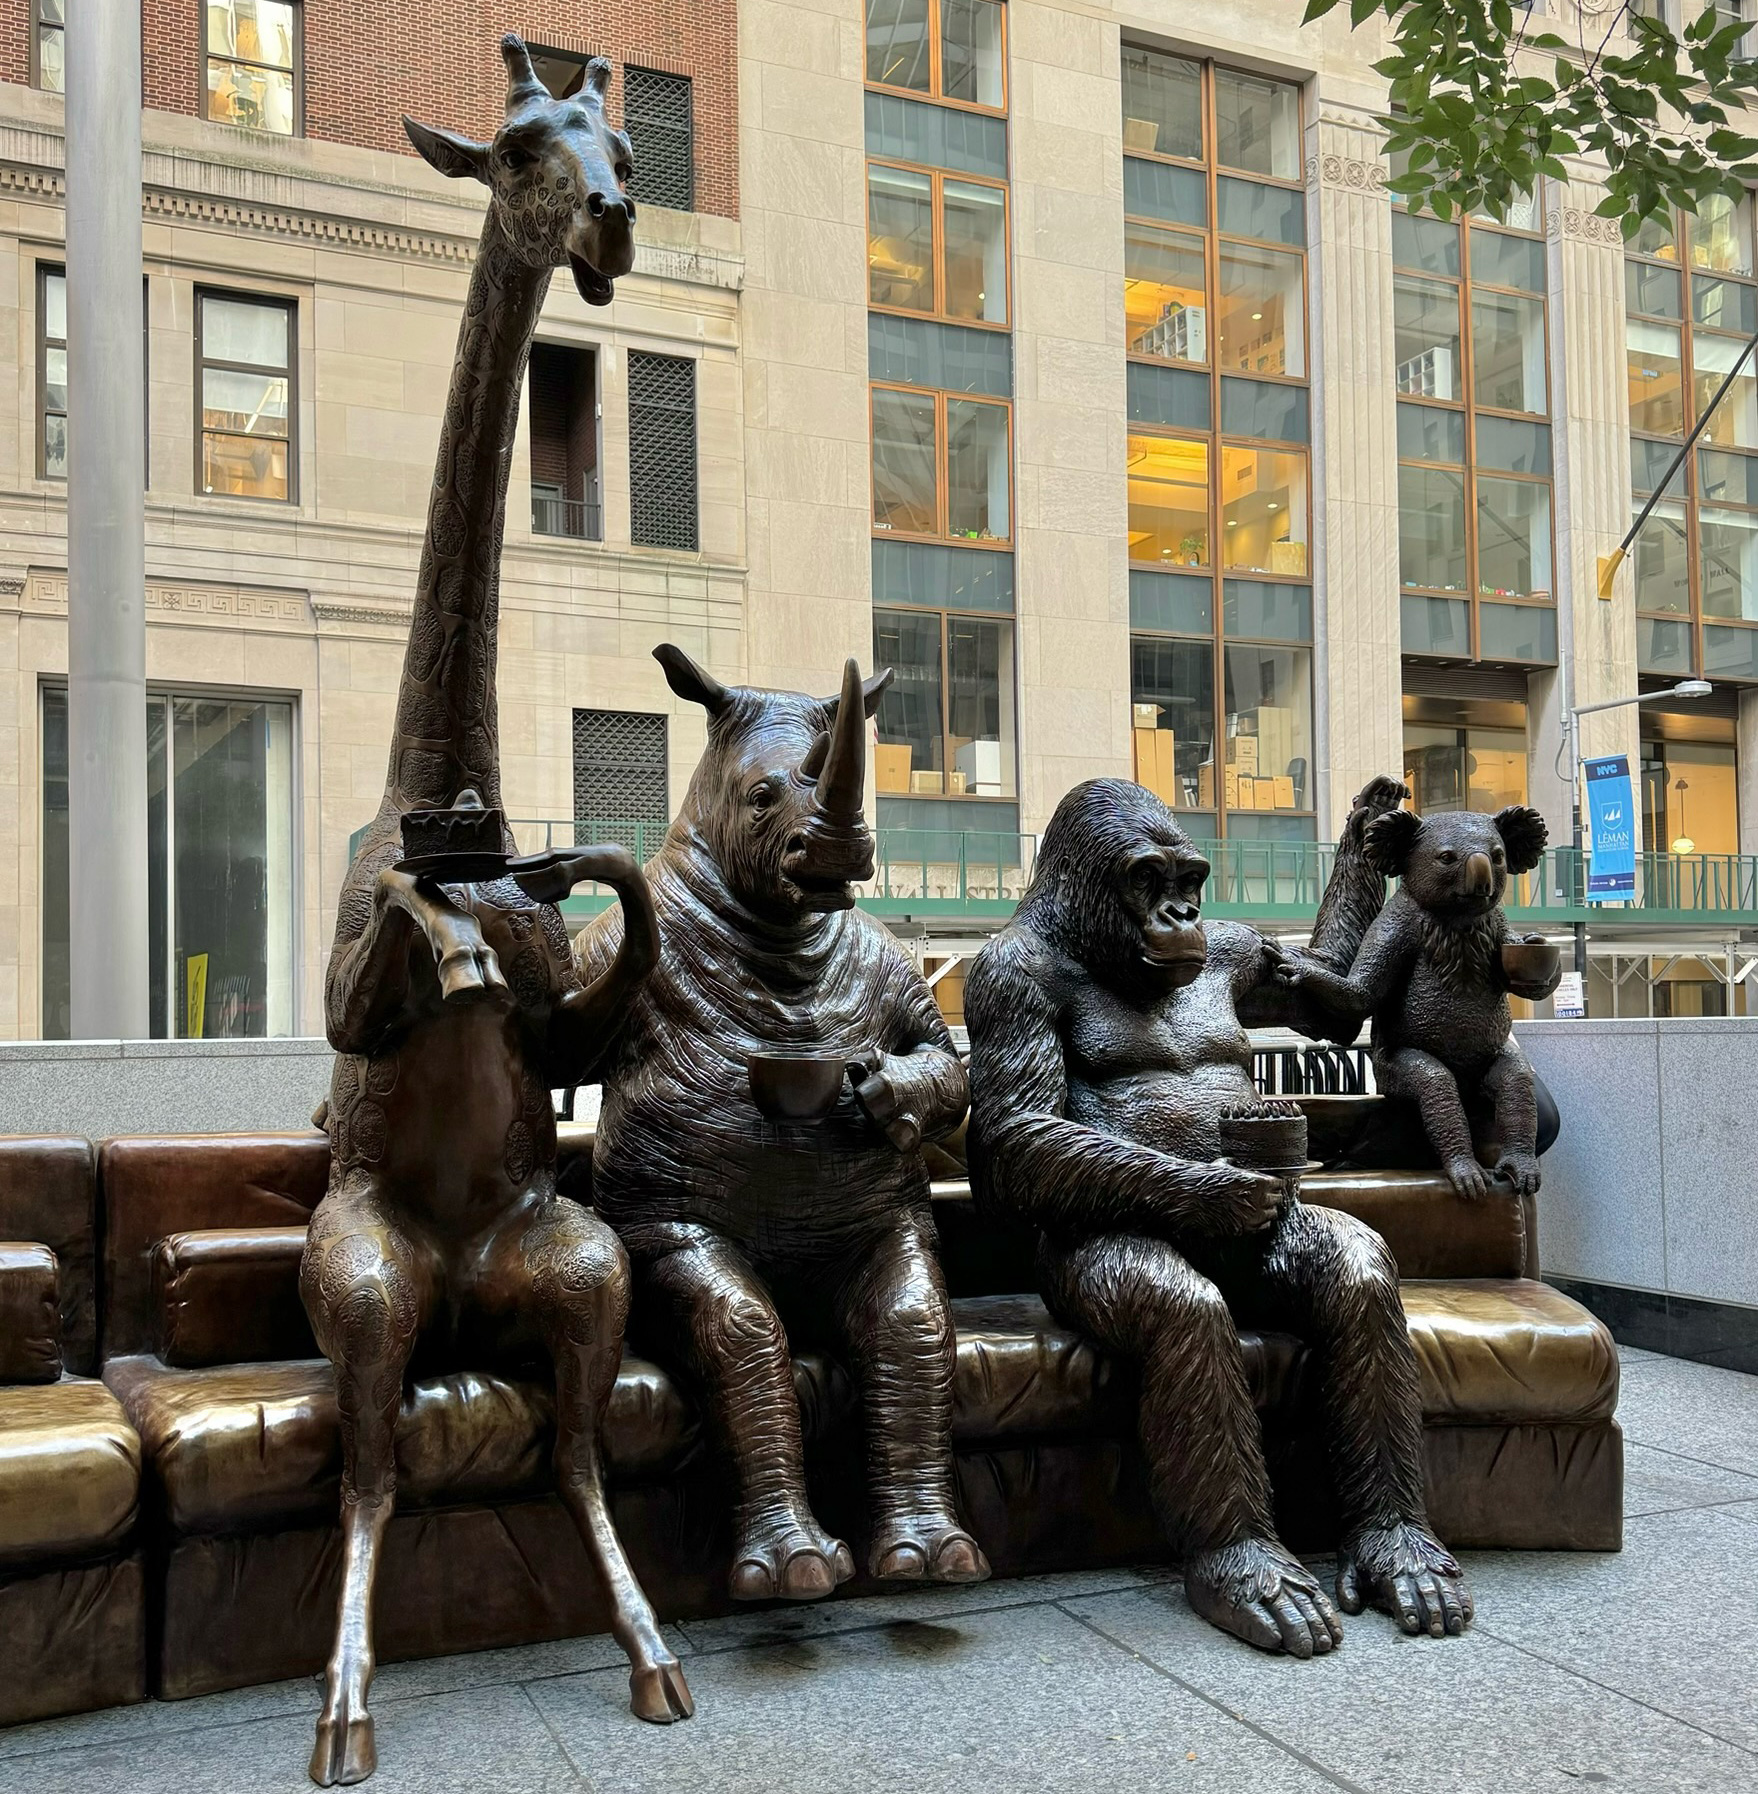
244, 351
946, 725
936, 243
1691, 303
563, 383
941, 465
1219, 481
252, 52
946, 49
620, 784
1464, 767
662, 451
52, 373
1690, 786
1475, 536
49, 45
220, 858
657, 116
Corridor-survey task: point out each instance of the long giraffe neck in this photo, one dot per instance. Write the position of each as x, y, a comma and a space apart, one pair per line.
447, 732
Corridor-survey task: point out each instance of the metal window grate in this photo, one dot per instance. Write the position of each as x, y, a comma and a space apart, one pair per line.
619, 770
662, 450
657, 116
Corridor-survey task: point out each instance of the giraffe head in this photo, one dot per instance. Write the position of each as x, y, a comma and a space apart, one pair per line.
556, 173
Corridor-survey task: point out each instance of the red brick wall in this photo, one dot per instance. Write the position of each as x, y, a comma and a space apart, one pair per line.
367, 62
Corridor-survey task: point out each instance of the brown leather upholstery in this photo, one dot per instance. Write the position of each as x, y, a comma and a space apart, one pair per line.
48, 1195
78, 1634
230, 1295
1432, 1231
247, 1445
69, 1472
30, 1313
154, 1187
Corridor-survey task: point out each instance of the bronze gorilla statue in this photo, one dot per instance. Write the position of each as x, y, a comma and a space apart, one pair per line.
736, 1218
1430, 972
1108, 1052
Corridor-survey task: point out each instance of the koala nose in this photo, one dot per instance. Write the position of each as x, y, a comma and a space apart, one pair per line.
1479, 875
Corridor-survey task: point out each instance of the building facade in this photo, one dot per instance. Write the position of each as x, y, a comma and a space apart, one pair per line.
1072, 359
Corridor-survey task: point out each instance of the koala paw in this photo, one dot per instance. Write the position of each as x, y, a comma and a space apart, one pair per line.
1468, 1178
1521, 1170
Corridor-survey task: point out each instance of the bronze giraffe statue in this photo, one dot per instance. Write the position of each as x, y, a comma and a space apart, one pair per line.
454, 1007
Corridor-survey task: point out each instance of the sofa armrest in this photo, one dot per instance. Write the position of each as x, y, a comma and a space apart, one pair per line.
230, 1296
30, 1313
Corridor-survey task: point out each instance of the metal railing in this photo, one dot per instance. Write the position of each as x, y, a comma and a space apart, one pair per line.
984, 874
580, 518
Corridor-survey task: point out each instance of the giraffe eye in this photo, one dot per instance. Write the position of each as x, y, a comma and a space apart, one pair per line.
515, 160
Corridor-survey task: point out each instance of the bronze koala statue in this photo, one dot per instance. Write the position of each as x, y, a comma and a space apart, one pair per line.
1430, 972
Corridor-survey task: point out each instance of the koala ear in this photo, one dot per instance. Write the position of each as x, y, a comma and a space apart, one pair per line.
1389, 839
1523, 835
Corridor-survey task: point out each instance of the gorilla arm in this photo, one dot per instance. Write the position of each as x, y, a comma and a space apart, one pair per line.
1031, 1162
1387, 949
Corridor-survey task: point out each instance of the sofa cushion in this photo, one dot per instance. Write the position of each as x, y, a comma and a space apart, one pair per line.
1431, 1229
30, 1313
1509, 1350
48, 1193
154, 1187
240, 1446
230, 1295
69, 1472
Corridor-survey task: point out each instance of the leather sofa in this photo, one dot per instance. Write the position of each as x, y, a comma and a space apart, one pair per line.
72, 1585
208, 1350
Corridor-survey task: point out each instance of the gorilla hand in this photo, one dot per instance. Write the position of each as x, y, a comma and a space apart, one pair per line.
1238, 1201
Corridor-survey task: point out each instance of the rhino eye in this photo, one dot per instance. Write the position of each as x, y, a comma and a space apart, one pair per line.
761, 797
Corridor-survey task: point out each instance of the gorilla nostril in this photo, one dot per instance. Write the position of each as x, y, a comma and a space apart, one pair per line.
595, 203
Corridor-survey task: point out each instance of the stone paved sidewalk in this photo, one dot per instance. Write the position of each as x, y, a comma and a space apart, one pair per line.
1637, 1672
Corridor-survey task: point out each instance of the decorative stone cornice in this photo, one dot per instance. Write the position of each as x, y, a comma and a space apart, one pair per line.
223, 606
1346, 172
392, 616
1582, 226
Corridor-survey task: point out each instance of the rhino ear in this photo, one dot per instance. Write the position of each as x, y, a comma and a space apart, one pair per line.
1389, 839
872, 690
692, 682
1523, 834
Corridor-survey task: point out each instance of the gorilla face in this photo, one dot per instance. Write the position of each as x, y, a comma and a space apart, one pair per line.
1160, 888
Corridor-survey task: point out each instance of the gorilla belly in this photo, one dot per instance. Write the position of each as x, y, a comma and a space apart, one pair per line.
1175, 1111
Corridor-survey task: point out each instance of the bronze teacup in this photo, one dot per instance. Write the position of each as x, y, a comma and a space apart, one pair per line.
796, 1086
1530, 962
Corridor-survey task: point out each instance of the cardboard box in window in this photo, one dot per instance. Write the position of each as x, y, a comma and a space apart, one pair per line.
1154, 763
1275, 738
1242, 751
1147, 716
1141, 134
891, 767
1230, 788
926, 784
956, 784
1288, 557
1205, 785
978, 764
1284, 788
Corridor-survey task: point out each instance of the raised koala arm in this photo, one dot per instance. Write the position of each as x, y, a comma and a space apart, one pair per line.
1032, 1162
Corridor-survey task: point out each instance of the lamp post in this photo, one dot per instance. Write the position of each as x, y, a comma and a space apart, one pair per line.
1686, 688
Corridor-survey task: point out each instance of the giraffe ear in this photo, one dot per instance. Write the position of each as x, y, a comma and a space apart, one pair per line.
451, 154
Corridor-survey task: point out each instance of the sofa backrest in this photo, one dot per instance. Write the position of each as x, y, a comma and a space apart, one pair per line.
48, 1195
152, 1187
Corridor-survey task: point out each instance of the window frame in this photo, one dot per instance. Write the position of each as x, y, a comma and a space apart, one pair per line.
290, 306
937, 179
1690, 474
695, 414
38, 26
1466, 407
689, 130
947, 615
298, 73
45, 271
942, 482
1218, 441
934, 94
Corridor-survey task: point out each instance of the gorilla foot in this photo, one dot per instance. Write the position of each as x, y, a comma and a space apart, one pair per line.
789, 1559
1405, 1571
345, 1751
926, 1548
1258, 1591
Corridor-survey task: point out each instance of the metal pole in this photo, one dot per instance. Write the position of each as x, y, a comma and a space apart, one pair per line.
1577, 874
106, 528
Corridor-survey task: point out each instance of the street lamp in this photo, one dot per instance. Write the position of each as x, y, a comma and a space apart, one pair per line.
1686, 688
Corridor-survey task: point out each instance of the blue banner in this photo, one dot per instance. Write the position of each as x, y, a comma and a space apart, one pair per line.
1611, 830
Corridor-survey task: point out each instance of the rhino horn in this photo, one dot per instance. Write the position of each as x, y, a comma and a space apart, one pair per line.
842, 782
